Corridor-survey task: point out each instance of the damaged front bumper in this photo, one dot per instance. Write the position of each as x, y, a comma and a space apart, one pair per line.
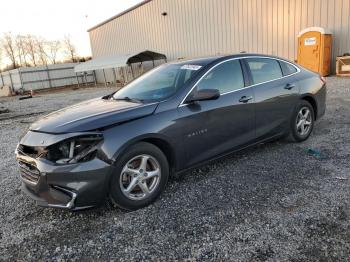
71, 186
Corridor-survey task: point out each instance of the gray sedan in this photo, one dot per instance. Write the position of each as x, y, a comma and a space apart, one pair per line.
124, 146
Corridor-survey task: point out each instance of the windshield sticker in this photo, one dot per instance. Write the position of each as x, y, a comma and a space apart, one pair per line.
191, 67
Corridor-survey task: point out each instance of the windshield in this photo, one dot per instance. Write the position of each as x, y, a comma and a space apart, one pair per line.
158, 84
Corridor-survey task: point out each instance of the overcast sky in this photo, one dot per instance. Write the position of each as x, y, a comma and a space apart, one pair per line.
54, 19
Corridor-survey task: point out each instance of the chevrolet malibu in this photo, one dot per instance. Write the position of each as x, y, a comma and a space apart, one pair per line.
124, 146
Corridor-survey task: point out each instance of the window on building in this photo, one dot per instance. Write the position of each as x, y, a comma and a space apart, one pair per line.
264, 69
226, 77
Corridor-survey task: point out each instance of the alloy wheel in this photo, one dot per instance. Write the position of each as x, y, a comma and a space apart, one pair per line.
304, 121
140, 177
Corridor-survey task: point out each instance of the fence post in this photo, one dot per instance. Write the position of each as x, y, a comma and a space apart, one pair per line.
85, 78
104, 76
48, 76
76, 76
94, 75
20, 78
12, 88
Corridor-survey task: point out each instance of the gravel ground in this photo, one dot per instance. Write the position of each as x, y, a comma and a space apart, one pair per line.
273, 202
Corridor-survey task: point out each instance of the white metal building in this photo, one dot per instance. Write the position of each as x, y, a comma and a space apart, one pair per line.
192, 28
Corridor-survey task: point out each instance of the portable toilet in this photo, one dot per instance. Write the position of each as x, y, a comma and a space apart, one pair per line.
315, 50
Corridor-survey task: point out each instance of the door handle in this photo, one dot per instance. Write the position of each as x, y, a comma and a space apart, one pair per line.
289, 86
245, 99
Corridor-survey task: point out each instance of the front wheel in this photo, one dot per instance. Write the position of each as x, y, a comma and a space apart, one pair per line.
302, 122
141, 175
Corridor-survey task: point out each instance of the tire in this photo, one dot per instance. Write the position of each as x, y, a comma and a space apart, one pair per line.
135, 183
296, 130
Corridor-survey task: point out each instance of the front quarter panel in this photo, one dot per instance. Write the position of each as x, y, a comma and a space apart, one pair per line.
160, 126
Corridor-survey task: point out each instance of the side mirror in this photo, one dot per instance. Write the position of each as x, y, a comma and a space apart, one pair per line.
203, 94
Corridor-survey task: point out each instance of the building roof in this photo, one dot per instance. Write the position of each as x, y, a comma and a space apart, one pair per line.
120, 14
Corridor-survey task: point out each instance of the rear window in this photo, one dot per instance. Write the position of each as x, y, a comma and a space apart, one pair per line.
287, 68
264, 69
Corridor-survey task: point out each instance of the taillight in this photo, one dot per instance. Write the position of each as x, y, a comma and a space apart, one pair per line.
323, 79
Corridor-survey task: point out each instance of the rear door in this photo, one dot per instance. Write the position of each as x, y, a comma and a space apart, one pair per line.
276, 92
217, 126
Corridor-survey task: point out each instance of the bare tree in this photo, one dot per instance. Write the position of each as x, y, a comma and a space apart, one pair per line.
21, 50
30, 46
53, 49
31, 50
41, 50
69, 48
9, 47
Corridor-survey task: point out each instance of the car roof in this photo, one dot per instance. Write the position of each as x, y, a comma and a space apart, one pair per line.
202, 61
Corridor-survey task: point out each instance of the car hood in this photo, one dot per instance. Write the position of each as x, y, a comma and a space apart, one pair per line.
91, 115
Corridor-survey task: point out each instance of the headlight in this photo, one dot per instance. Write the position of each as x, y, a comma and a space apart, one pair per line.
78, 149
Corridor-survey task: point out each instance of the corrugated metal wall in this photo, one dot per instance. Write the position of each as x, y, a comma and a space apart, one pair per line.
205, 27
41, 77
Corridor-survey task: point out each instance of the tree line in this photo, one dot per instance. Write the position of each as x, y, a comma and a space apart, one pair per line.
30, 50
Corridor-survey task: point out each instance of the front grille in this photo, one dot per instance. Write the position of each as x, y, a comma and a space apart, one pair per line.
29, 172
34, 152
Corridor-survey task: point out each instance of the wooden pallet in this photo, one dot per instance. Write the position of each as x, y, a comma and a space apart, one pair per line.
343, 66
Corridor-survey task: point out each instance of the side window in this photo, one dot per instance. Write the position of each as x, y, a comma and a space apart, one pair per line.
287, 68
226, 77
264, 69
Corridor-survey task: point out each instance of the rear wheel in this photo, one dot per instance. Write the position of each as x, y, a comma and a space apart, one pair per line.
302, 122
141, 175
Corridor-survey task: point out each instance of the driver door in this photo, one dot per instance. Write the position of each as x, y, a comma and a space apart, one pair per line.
215, 127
